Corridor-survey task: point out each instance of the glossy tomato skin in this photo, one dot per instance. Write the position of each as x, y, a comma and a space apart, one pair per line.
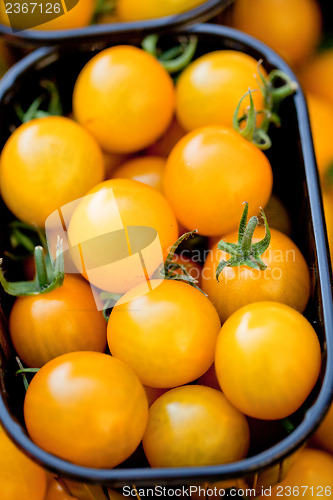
209, 90
64, 320
87, 408
310, 476
208, 176
56, 492
194, 425
317, 76
19, 476
261, 353
131, 10
321, 119
46, 163
323, 437
286, 278
107, 209
125, 98
267, 21
146, 169
169, 139
167, 336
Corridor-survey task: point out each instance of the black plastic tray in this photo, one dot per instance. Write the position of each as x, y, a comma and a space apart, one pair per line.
295, 182
106, 32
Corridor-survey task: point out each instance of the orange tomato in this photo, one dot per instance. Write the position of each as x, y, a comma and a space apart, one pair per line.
192, 426
88, 408
310, 476
43, 327
132, 10
286, 278
129, 104
261, 352
146, 169
56, 492
321, 119
277, 23
167, 336
328, 210
45, 164
169, 139
210, 173
210, 88
20, 477
101, 217
317, 76
323, 437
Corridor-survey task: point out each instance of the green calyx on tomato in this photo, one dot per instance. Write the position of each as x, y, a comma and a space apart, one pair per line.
103, 8
23, 371
54, 107
48, 276
244, 252
276, 87
175, 59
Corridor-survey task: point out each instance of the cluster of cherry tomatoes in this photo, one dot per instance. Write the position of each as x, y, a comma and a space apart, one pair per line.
186, 352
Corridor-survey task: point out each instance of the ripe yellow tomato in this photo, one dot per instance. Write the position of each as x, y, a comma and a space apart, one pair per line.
77, 17
146, 169
101, 217
56, 492
323, 437
88, 408
169, 139
310, 476
277, 23
192, 426
210, 88
61, 321
45, 164
132, 10
321, 119
286, 278
261, 354
125, 98
20, 477
328, 210
210, 173
167, 336
317, 75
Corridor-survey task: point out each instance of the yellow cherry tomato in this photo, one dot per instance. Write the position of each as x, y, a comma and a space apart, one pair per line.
169, 139
277, 23
64, 320
167, 336
46, 163
192, 426
321, 119
132, 10
210, 88
88, 408
210, 173
310, 476
20, 477
261, 354
125, 98
146, 169
317, 75
115, 211
286, 278
56, 492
